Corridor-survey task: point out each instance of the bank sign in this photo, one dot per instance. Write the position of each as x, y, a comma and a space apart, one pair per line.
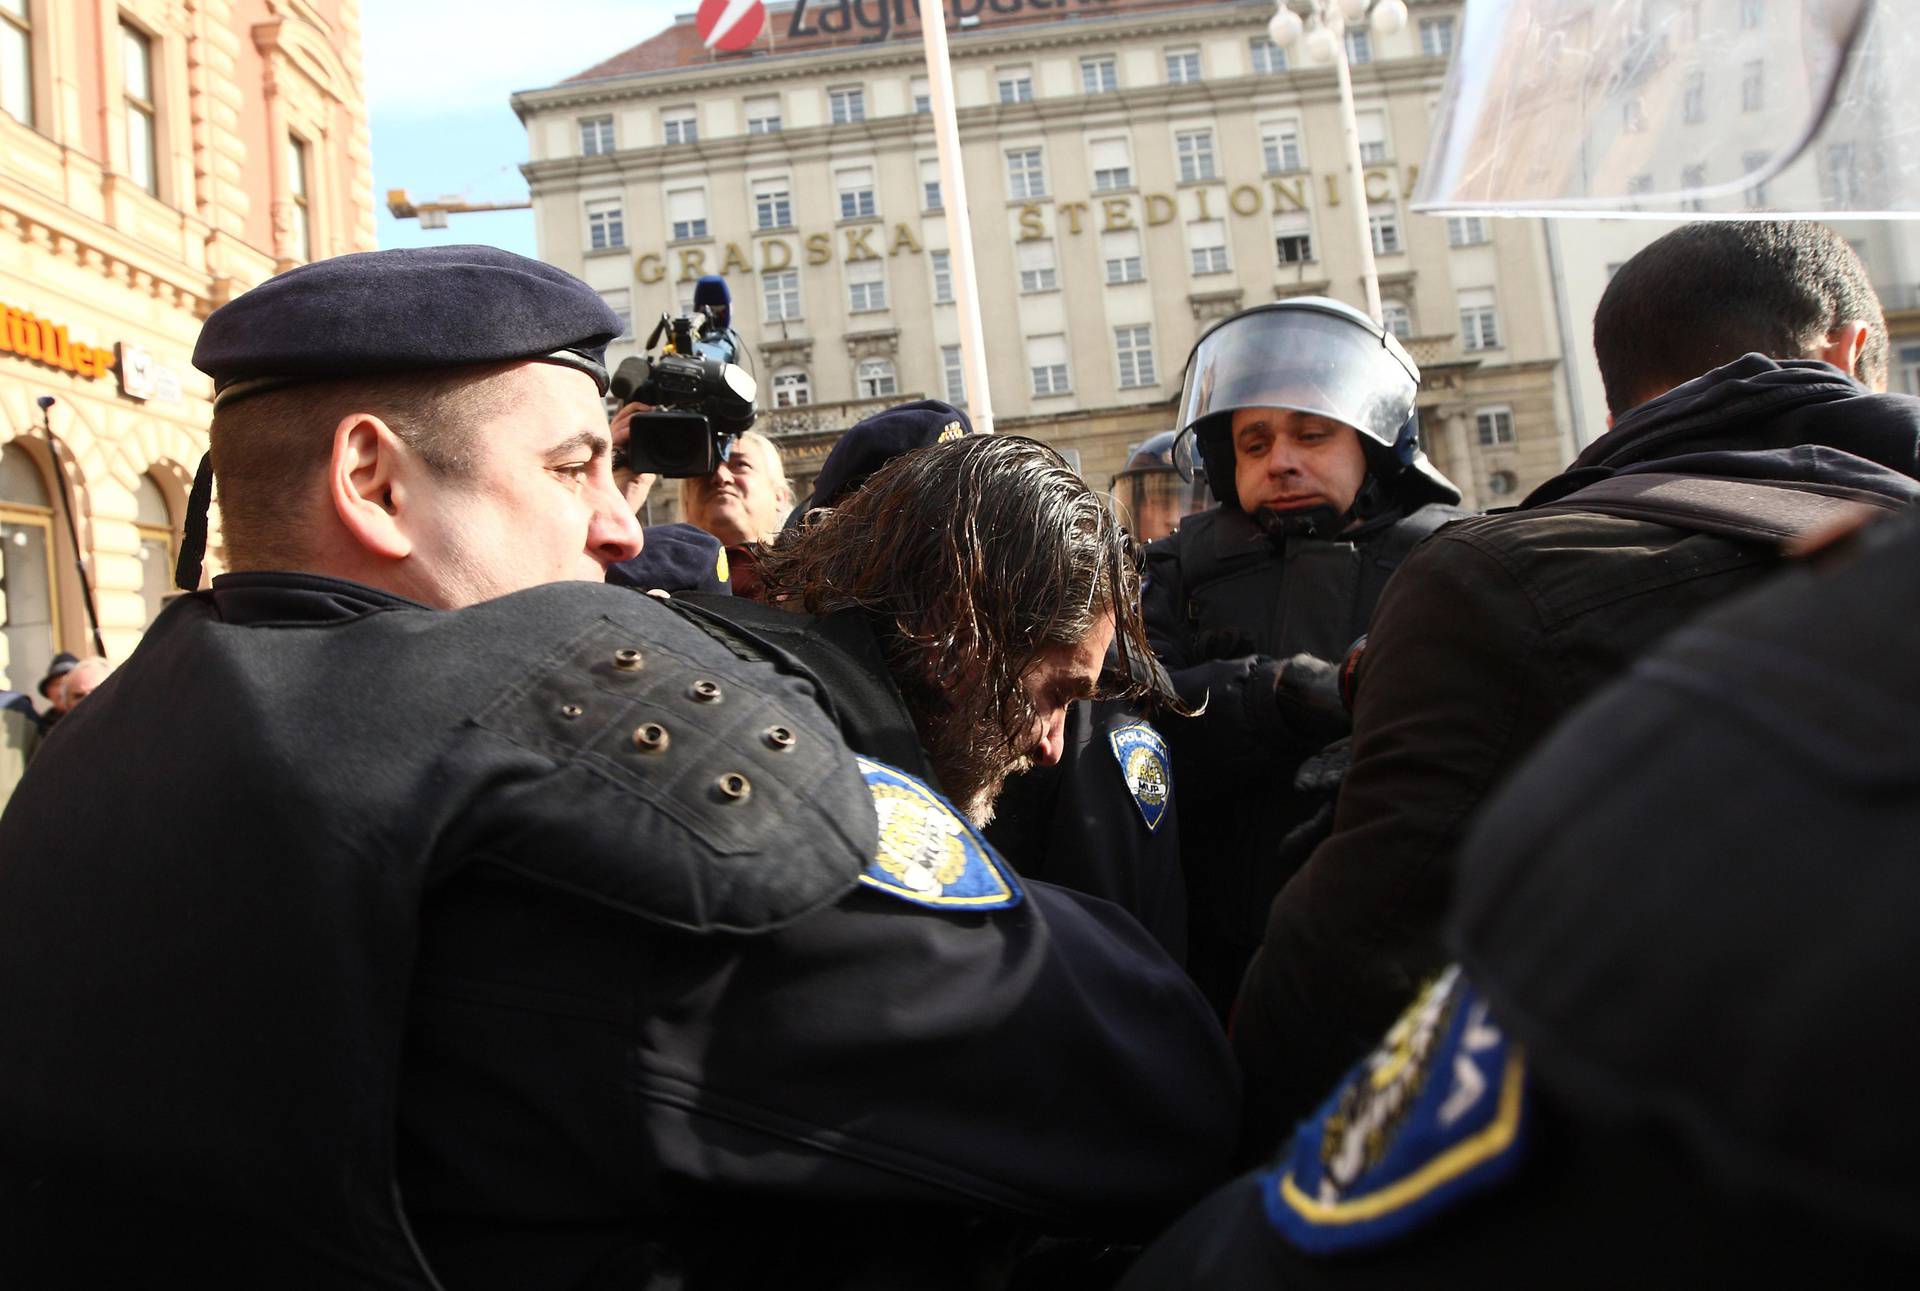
877, 20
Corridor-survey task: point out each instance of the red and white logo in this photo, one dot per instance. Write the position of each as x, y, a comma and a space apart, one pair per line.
730, 25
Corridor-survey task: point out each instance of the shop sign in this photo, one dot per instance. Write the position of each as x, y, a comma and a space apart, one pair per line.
143, 378
44, 341
876, 20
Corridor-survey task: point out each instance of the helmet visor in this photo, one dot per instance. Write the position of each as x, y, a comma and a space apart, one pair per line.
1153, 502
1304, 359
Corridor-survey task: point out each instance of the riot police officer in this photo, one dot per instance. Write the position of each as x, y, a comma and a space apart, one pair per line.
1152, 494
1302, 413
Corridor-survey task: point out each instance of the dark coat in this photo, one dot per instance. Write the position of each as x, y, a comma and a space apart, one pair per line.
324, 893
1224, 607
1709, 976
1488, 636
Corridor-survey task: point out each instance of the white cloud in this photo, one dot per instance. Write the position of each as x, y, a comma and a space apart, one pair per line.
427, 58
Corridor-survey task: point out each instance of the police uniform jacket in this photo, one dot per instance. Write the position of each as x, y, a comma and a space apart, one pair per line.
543, 943
1491, 633
1224, 606
1677, 1018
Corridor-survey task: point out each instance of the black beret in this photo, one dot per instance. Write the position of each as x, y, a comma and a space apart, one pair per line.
872, 443
675, 558
404, 310
63, 663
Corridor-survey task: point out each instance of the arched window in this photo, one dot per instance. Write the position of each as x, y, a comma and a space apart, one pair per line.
30, 618
876, 380
791, 388
154, 521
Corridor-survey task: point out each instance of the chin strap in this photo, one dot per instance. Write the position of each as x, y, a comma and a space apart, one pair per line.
193, 535
1313, 522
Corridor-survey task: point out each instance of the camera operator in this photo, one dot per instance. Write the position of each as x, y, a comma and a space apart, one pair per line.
742, 502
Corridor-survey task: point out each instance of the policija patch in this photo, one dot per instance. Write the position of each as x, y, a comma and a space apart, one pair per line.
1148, 769
1435, 1114
928, 853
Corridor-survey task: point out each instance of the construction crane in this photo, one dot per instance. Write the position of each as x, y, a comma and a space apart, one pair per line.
432, 213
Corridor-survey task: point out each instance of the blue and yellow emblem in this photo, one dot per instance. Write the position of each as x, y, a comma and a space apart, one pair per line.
1437, 1113
720, 566
1148, 769
929, 854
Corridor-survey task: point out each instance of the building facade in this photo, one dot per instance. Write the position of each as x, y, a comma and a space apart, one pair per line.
157, 157
1135, 170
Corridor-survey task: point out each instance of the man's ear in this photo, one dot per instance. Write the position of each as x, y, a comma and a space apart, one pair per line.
364, 485
1843, 346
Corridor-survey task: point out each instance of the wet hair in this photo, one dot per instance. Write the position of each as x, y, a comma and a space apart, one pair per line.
270, 450
1708, 293
976, 555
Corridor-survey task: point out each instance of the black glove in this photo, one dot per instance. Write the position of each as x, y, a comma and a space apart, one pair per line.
1307, 693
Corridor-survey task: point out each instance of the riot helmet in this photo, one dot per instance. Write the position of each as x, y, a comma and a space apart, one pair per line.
1318, 356
1153, 497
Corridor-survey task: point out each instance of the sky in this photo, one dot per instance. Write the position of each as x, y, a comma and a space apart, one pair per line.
439, 74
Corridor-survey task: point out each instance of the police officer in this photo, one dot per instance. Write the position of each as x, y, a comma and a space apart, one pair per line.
439, 911
1152, 494
1302, 414
1684, 927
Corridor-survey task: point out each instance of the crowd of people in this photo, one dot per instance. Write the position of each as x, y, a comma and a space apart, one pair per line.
924, 884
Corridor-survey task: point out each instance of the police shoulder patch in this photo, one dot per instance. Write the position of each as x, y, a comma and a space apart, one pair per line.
1148, 769
928, 853
1435, 1114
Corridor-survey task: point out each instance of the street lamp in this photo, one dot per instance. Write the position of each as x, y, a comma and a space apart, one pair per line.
1324, 26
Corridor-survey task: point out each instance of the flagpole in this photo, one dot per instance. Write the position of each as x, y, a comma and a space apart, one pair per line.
953, 189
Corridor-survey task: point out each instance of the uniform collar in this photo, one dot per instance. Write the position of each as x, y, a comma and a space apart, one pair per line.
277, 597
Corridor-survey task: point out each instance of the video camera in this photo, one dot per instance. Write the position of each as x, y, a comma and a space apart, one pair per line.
704, 397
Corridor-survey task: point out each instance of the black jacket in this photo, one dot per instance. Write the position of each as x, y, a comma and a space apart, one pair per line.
325, 894
1490, 634
1224, 607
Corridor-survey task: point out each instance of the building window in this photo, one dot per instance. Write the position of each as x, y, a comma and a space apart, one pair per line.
16, 61
1466, 230
27, 617
1026, 177
1694, 178
1194, 149
1112, 164
153, 522
941, 263
1047, 365
606, 225
1753, 86
1015, 84
136, 84
847, 105
763, 114
930, 199
1751, 11
1632, 118
680, 125
1751, 164
1099, 75
1479, 329
1693, 99
1397, 318
772, 204
1280, 146
1359, 47
876, 380
1036, 265
1436, 37
1907, 379
1495, 426
1266, 57
1385, 224
856, 193
1373, 136
620, 301
782, 291
686, 214
1120, 249
792, 388
866, 286
1639, 185
1293, 238
297, 203
1133, 348
1183, 67
953, 375
596, 136
922, 96
1207, 244
1838, 180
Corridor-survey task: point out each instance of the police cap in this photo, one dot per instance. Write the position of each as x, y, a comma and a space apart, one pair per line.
874, 442
404, 310
675, 558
